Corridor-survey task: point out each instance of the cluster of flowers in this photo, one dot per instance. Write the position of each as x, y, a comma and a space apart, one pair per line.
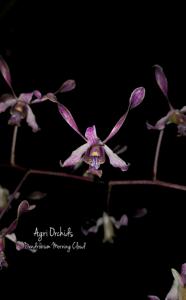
93, 152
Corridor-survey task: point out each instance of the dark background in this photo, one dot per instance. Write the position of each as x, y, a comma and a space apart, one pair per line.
109, 49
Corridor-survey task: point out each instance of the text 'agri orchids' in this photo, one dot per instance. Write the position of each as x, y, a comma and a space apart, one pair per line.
94, 150
178, 289
8, 233
174, 116
20, 106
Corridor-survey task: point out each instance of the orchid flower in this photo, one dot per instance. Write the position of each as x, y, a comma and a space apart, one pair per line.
108, 223
94, 150
178, 289
7, 233
20, 106
174, 116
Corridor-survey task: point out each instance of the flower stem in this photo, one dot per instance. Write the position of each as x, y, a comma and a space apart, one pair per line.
156, 158
14, 138
149, 182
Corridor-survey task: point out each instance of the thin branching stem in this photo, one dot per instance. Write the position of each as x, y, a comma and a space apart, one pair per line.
156, 158
14, 139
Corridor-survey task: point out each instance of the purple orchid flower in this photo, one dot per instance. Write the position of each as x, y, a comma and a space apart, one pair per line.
7, 233
174, 116
178, 289
108, 223
20, 106
94, 150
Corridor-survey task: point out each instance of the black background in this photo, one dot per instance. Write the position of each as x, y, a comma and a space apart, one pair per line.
109, 49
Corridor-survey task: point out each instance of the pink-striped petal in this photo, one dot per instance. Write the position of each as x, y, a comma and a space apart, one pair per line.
4, 69
161, 80
173, 294
115, 160
136, 97
67, 86
67, 116
75, 156
116, 127
153, 298
91, 135
31, 120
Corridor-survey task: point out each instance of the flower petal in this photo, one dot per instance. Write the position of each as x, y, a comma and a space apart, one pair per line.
26, 97
67, 86
160, 124
5, 71
31, 120
11, 237
136, 97
93, 229
117, 127
173, 294
23, 207
6, 101
122, 222
153, 298
67, 116
183, 109
115, 160
91, 135
161, 80
75, 156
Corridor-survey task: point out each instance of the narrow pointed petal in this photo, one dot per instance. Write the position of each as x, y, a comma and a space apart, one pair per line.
136, 97
161, 80
115, 160
122, 222
76, 156
31, 120
4, 69
6, 101
67, 86
153, 298
91, 135
116, 127
160, 124
67, 116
